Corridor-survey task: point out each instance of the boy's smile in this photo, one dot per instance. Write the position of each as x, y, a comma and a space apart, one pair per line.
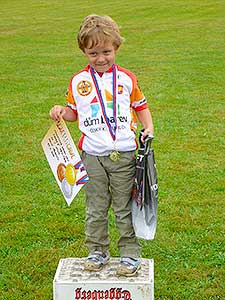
101, 57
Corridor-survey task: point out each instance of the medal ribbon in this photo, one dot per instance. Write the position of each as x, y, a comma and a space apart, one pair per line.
112, 130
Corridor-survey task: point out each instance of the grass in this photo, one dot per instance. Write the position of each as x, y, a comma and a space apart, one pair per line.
176, 48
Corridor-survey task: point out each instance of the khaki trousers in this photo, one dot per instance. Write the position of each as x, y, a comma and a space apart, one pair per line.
110, 184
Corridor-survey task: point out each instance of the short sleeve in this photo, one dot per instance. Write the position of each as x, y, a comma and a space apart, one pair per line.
70, 99
138, 101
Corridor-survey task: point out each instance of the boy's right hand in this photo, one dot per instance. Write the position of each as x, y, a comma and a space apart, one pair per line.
57, 112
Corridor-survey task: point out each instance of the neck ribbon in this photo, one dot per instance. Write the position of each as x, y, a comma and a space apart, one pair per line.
111, 128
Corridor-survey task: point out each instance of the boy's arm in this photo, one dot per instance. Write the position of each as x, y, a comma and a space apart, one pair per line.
145, 118
62, 111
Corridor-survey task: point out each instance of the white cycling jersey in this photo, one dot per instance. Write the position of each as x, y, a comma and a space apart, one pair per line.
101, 104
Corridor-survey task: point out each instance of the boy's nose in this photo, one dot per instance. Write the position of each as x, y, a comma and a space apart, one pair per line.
101, 58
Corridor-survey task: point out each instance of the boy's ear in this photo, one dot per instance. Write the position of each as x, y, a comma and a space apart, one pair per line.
117, 48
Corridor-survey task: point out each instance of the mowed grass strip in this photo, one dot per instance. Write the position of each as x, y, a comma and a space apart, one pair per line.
176, 48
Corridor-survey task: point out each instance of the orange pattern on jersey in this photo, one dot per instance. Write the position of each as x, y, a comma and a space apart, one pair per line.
69, 94
136, 94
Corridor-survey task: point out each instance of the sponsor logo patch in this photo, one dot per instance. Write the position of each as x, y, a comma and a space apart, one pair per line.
84, 87
120, 89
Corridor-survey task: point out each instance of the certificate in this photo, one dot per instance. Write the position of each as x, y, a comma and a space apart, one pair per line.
64, 160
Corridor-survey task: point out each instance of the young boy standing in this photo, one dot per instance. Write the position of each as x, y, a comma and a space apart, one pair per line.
105, 99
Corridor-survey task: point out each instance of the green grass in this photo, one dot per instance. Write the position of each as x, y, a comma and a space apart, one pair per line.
176, 48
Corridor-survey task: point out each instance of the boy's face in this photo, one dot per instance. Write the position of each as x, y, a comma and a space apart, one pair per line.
101, 57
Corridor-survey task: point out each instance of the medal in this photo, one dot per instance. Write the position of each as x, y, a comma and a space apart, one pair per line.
114, 156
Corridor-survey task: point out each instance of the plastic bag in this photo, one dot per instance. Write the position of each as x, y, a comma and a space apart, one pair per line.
145, 192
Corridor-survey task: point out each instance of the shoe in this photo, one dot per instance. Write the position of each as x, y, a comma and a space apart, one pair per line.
128, 266
96, 261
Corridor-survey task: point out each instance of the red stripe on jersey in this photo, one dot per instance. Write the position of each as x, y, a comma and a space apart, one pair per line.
81, 141
144, 106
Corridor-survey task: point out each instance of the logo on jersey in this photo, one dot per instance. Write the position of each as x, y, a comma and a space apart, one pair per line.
95, 107
84, 87
120, 89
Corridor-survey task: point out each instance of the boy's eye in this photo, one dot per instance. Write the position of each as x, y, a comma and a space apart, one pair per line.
93, 53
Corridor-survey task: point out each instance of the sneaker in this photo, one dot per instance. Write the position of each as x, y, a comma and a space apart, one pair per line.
96, 261
128, 266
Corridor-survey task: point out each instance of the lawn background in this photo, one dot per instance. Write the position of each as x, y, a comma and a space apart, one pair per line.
176, 49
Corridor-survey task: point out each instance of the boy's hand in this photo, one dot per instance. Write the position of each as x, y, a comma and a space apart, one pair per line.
56, 112
147, 132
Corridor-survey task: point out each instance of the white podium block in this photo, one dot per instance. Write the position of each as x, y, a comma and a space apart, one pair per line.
71, 282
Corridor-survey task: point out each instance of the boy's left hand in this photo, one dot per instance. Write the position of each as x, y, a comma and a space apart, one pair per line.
147, 132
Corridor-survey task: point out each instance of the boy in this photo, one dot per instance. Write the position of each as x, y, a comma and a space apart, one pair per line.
105, 99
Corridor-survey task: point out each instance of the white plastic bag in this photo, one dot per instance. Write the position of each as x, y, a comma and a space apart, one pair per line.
142, 229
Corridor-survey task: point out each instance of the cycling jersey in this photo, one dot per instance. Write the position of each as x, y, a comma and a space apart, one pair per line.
106, 109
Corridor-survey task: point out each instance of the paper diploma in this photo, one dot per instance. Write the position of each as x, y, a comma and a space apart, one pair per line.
64, 160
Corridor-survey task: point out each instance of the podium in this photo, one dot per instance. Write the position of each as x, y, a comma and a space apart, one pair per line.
71, 282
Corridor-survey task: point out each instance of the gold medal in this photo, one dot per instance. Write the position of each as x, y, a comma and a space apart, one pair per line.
114, 155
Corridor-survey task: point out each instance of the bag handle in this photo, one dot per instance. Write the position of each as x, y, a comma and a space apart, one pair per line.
147, 141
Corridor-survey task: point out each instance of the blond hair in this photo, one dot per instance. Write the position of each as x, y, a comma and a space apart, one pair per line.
96, 30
